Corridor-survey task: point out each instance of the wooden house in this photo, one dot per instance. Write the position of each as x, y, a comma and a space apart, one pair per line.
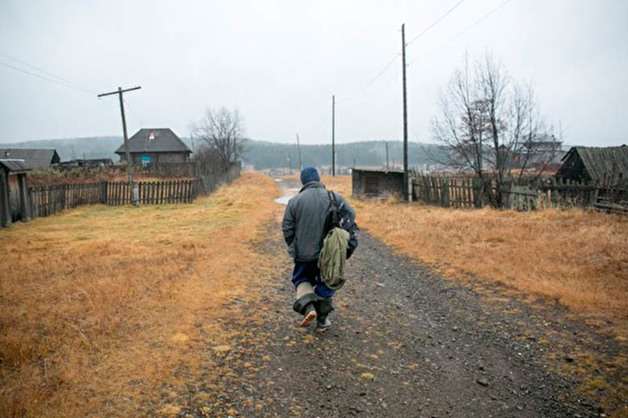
592, 164
377, 182
35, 158
154, 147
14, 204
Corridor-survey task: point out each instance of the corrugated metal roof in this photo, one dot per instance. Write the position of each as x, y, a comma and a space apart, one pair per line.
378, 169
36, 158
155, 140
601, 161
14, 165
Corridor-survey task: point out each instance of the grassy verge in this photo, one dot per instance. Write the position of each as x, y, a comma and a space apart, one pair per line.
577, 258
101, 305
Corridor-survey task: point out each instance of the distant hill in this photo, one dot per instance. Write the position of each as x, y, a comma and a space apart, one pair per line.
261, 154
264, 155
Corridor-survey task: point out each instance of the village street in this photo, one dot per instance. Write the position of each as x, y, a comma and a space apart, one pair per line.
404, 343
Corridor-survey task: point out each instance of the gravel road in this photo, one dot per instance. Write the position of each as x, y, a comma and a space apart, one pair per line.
408, 343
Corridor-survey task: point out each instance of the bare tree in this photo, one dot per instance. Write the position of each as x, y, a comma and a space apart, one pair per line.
221, 131
491, 125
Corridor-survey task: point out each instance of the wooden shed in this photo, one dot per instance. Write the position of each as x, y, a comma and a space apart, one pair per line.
35, 158
377, 182
14, 204
592, 164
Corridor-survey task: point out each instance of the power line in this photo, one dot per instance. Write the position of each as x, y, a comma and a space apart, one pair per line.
48, 73
61, 83
455, 6
137, 115
392, 61
474, 24
382, 71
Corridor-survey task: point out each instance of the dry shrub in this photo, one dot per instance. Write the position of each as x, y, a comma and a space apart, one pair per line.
101, 305
579, 258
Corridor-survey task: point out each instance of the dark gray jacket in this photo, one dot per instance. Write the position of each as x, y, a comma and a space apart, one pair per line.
304, 220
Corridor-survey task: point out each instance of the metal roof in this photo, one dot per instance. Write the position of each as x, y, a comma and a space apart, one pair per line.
35, 158
154, 140
14, 165
378, 169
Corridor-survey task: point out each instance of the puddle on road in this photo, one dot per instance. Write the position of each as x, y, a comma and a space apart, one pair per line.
288, 192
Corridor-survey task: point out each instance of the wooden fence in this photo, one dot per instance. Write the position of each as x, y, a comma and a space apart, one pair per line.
47, 200
544, 193
450, 191
551, 193
153, 193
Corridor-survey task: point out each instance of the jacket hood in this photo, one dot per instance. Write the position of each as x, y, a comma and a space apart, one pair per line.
312, 185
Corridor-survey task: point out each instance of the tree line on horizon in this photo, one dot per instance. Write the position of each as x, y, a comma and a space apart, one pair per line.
262, 155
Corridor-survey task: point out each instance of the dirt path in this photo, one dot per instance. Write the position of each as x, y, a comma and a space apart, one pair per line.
404, 343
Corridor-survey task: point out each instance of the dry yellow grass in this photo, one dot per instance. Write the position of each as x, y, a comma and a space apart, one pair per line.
575, 257
100, 305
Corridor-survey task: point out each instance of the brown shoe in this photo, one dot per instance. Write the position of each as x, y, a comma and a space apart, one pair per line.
310, 315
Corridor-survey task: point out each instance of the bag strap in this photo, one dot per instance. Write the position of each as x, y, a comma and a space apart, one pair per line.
333, 206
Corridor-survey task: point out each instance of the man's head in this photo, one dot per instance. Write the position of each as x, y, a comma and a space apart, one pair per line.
309, 174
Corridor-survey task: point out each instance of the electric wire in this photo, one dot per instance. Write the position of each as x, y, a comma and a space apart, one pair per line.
424, 31
382, 71
47, 73
51, 80
474, 24
392, 61
137, 115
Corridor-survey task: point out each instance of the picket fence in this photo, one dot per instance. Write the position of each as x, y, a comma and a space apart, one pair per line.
48, 200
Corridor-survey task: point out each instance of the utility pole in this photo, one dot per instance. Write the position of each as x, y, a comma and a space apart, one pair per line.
299, 149
387, 166
129, 164
289, 165
405, 114
333, 136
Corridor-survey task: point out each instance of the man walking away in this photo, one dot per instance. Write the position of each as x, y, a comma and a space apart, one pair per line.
303, 229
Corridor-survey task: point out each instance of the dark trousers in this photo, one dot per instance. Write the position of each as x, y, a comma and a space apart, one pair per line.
308, 271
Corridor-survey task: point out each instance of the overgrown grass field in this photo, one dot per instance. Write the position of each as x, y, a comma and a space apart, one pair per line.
101, 305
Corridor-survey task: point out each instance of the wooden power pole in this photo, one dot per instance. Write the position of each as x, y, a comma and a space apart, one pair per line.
299, 150
405, 114
333, 135
129, 162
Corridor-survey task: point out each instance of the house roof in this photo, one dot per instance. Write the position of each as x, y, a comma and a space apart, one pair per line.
600, 161
35, 158
155, 140
14, 165
378, 170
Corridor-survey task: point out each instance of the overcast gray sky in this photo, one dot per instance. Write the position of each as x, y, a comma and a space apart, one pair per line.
279, 63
